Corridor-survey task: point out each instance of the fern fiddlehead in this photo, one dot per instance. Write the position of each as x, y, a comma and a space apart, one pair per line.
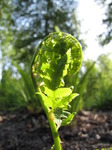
58, 55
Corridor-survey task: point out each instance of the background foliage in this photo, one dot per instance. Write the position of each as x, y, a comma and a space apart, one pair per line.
98, 93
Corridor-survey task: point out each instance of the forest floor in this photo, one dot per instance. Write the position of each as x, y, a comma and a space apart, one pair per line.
20, 130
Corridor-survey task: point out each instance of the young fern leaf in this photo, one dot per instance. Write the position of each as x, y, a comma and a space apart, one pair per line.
58, 55
67, 120
64, 102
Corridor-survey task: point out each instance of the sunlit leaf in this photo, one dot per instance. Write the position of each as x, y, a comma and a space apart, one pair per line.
58, 55
62, 92
64, 102
48, 92
67, 120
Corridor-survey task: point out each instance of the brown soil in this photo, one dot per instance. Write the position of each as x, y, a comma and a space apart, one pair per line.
20, 130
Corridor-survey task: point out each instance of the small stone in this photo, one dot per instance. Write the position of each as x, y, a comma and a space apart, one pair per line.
98, 137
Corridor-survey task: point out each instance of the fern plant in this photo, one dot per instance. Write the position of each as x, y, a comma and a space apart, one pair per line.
58, 55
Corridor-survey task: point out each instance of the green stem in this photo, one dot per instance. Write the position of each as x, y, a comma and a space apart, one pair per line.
53, 127
55, 134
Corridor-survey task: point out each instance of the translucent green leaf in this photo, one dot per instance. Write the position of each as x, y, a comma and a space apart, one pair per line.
68, 60
67, 120
48, 92
62, 92
64, 102
67, 100
57, 55
45, 66
56, 104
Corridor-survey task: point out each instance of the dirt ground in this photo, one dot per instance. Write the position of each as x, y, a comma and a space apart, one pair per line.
20, 130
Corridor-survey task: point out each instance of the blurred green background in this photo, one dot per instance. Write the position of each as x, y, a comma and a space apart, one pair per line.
23, 24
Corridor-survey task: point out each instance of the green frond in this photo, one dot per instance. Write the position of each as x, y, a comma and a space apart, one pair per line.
57, 56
